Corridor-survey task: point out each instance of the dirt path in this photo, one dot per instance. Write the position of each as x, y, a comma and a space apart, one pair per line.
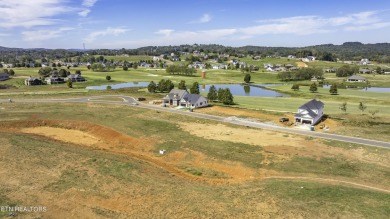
328, 181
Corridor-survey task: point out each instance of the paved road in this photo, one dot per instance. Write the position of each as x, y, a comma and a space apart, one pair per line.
243, 122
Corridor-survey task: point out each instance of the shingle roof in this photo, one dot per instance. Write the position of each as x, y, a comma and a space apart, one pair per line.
312, 104
192, 98
356, 77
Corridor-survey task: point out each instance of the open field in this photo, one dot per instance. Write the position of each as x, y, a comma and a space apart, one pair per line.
116, 170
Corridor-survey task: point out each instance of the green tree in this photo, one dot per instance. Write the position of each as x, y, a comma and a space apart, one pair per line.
161, 86
313, 87
295, 87
169, 85
152, 87
11, 72
362, 107
333, 89
108, 87
69, 83
378, 70
62, 73
343, 107
45, 71
125, 68
108, 77
247, 78
182, 85
195, 88
212, 94
227, 97
78, 72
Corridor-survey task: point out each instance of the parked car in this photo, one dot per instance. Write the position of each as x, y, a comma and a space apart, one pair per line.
283, 120
134, 103
141, 99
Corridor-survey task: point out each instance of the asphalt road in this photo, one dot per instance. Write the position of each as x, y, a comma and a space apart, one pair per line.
130, 101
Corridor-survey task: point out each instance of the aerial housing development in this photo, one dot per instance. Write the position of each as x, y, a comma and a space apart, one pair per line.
194, 109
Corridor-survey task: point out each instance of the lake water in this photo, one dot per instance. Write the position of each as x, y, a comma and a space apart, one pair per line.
372, 89
245, 90
235, 89
118, 86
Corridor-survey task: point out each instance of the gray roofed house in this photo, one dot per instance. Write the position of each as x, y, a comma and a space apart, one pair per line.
174, 97
32, 81
310, 112
54, 80
194, 101
356, 78
4, 76
76, 77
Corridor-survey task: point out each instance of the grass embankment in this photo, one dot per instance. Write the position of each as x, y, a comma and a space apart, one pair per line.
90, 182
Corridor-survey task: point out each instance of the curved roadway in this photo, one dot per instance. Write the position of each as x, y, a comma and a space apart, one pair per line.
243, 122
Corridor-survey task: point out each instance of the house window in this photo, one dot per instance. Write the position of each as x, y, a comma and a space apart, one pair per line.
201, 104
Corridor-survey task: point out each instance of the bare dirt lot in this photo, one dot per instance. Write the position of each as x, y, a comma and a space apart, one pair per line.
81, 169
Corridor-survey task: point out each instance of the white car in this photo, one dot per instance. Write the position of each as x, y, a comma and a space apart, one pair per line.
134, 103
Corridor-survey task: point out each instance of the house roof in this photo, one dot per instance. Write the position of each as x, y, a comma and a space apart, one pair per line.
173, 92
312, 105
193, 98
32, 79
356, 77
3, 74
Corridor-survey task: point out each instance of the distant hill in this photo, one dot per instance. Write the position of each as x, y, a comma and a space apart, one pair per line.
347, 51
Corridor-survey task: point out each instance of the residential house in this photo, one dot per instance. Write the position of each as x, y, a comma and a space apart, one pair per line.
365, 62
365, 70
76, 78
31, 81
329, 70
291, 57
54, 80
4, 76
356, 78
309, 59
194, 101
310, 112
174, 97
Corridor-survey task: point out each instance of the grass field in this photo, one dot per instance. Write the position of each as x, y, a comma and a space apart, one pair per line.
124, 176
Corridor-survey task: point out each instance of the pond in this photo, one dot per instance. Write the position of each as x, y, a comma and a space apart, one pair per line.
244, 90
118, 86
236, 89
372, 89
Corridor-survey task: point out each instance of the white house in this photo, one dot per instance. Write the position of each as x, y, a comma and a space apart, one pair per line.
310, 112
174, 97
356, 78
178, 97
194, 101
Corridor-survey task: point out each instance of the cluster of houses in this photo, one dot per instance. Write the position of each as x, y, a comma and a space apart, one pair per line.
279, 67
182, 98
53, 79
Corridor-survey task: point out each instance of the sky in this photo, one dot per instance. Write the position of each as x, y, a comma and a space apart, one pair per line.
129, 24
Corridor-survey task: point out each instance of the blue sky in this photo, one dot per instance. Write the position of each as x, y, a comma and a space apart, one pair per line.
132, 24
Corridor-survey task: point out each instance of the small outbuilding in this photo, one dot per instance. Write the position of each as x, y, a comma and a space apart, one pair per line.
31, 81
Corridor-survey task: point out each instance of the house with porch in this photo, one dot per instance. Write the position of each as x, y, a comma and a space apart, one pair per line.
54, 80
31, 81
310, 112
356, 78
4, 76
194, 101
174, 96
76, 78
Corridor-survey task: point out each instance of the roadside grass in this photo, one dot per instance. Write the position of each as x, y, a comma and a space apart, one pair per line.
327, 201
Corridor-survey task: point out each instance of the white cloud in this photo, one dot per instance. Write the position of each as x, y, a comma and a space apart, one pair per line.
41, 35
204, 19
89, 3
27, 13
165, 32
84, 13
109, 31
